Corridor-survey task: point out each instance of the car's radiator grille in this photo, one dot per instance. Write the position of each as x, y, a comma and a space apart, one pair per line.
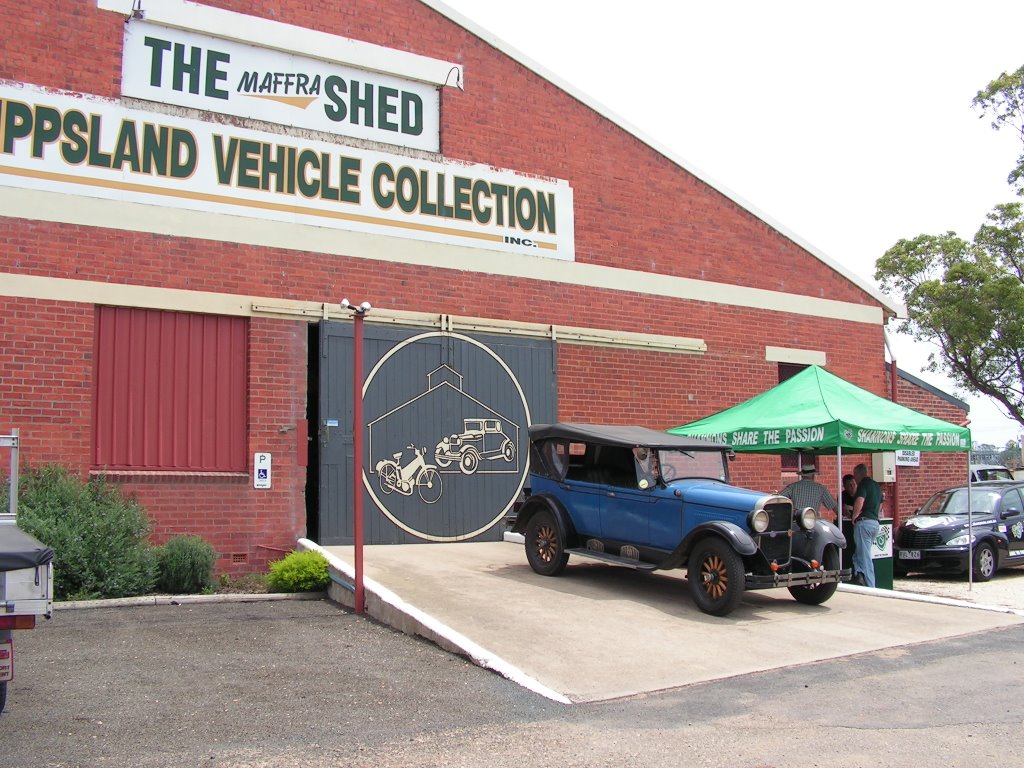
780, 517
780, 521
775, 548
919, 539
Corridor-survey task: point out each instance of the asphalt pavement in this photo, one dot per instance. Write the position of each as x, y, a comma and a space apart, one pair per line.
257, 682
284, 684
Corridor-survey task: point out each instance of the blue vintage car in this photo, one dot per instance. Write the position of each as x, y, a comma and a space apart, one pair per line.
650, 500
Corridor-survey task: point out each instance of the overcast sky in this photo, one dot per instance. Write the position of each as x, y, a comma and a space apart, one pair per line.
849, 124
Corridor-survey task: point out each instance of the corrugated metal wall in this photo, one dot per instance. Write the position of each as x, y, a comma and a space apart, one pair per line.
169, 391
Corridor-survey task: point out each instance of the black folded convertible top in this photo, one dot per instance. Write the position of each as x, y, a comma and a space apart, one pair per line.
19, 550
619, 435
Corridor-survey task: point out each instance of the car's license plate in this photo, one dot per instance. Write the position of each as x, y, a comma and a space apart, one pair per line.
909, 554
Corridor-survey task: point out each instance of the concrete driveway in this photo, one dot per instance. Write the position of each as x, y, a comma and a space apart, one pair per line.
601, 632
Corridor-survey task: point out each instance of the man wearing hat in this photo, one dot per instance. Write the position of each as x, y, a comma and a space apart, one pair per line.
805, 492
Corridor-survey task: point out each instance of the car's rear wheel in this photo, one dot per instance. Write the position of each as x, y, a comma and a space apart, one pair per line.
545, 548
716, 576
817, 594
984, 562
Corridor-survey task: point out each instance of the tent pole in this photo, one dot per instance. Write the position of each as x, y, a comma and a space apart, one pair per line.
970, 526
839, 484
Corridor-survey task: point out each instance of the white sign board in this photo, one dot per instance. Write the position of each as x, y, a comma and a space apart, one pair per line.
94, 147
908, 458
881, 545
261, 470
175, 66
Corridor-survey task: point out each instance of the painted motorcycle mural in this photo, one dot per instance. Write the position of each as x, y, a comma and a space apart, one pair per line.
417, 475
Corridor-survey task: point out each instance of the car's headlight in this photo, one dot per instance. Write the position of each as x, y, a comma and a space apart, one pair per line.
807, 517
959, 541
759, 520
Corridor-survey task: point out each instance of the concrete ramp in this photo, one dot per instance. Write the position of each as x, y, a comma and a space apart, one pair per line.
602, 632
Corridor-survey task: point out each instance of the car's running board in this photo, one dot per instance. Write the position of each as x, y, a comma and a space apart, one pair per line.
604, 557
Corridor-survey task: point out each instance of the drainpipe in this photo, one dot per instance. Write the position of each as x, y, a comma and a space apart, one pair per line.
892, 396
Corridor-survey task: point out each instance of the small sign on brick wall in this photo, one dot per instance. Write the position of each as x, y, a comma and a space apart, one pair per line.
908, 458
261, 470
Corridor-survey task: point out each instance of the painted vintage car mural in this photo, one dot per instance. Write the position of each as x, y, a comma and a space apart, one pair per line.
480, 439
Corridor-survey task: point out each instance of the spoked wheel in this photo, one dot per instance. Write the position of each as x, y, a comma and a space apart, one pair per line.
388, 478
545, 549
716, 577
984, 562
428, 484
816, 594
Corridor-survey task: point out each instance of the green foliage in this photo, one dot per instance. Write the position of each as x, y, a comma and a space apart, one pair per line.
967, 298
98, 535
304, 571
1003, 101
185, 566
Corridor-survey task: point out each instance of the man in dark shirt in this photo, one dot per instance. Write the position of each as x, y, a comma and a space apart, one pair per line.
866, 504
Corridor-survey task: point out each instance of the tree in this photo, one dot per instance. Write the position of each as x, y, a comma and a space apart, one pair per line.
967, 298
1003, 101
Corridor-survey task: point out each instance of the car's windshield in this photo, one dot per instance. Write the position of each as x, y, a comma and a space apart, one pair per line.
954, 502
676, 464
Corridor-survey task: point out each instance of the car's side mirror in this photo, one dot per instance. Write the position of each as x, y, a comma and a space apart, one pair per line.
1011, 512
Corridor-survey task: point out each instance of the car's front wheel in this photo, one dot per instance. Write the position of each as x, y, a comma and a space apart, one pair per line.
984, 562
716, 577
545, 548
816, 594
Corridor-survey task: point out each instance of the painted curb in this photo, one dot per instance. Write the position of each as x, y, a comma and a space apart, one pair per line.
145, 600
893, 594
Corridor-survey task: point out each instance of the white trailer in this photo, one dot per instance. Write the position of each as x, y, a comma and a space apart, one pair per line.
26, 575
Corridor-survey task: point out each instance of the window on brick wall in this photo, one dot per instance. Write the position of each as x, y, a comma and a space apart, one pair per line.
169, 391
788, 371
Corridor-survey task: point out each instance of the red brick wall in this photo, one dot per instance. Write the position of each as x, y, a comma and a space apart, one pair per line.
633, 209
937, 470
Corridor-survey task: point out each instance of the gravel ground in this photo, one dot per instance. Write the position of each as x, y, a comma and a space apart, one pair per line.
1005, 590
284, 684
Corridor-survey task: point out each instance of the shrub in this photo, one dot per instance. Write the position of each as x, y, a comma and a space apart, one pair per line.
98, 535
304, 571
185, 565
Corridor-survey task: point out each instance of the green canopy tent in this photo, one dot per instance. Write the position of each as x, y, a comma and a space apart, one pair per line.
816, 412
819, 413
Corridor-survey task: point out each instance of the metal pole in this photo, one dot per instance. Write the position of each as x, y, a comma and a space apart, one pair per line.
15, 443
357, 454
970, 525
359, 312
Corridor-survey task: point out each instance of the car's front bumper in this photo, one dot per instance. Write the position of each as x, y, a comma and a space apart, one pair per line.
933, 559
801, 579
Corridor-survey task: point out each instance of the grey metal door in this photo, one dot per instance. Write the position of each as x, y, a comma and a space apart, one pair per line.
445, 441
